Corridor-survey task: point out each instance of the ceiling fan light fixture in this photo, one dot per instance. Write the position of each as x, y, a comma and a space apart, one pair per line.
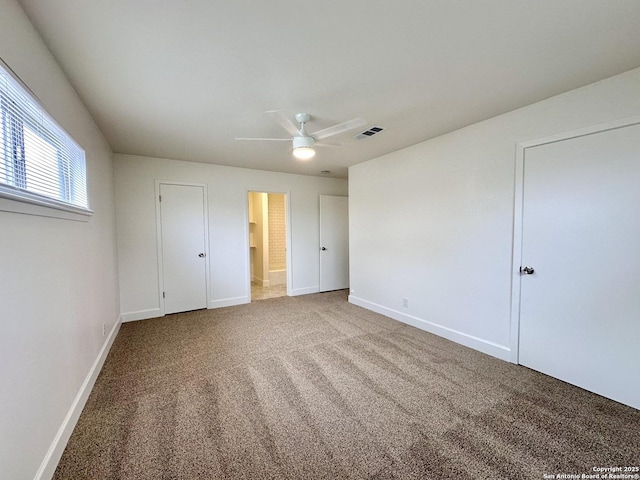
304, 153
303, 148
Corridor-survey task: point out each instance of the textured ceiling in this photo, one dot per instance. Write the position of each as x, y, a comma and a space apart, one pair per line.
183, 79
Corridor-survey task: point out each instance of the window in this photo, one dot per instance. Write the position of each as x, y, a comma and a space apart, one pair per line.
39, 162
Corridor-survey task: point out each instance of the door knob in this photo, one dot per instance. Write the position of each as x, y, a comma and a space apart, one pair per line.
527, 270
323, 248
201, 255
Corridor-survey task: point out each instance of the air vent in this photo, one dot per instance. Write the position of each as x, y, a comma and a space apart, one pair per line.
368, 133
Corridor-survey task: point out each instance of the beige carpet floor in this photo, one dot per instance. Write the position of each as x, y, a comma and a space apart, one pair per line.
312, 387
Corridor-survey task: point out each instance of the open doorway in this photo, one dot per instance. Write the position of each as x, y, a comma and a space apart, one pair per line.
267, 245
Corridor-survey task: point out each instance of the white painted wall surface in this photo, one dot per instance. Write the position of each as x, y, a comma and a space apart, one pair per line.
58, 279
228, 227
434, 222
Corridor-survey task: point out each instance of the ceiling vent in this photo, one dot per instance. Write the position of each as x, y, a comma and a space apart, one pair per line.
368, 133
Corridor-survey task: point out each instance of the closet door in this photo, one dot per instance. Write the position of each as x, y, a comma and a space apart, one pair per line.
183, 247
334, 243
580, 283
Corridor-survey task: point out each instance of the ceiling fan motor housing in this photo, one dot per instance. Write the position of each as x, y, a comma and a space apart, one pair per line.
303, 117
299, 142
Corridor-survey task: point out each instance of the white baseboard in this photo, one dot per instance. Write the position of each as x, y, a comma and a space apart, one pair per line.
304, 291
51, 459
484, 346
141, 315
229, 302
156, 312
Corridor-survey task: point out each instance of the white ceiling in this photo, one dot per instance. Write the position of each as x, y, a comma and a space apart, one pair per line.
182, 79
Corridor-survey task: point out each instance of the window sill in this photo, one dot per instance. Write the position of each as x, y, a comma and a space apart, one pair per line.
17, 201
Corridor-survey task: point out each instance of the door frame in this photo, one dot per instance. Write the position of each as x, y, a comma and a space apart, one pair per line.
288, 235
521, 148
320, 240
159, 238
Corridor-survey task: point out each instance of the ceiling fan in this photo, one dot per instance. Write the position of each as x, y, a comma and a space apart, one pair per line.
302, 141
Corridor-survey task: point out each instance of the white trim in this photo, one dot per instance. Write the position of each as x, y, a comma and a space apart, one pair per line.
247, 248
305, 291
159, 249
320, 246
207, 259
484, 346
141, 315
229, 302
582, 132
34, 110
51, 459
207, 267
516, 255
12, 202
319, 249
288, 235
289, 242
521, 148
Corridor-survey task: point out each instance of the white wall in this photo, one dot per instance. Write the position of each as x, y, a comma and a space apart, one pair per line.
58, 278
228, 227
434, 222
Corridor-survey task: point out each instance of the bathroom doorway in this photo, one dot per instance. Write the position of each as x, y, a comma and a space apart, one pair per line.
267, 245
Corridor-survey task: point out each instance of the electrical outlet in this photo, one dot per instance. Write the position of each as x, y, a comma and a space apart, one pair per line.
104, 329
405, 302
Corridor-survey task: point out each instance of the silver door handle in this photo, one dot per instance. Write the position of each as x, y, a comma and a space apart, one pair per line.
202, 255
527, 270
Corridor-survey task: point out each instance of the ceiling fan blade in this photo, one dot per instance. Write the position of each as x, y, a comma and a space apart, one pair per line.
284, 122
266, 139
328, 144
337, 129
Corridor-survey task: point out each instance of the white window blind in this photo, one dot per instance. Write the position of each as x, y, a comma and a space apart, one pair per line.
39, 162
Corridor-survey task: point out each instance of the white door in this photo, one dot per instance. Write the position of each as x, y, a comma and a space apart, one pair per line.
580, 308
183, 247
334, 243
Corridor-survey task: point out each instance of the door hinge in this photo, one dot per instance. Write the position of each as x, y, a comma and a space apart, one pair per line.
160, 198
162, 294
